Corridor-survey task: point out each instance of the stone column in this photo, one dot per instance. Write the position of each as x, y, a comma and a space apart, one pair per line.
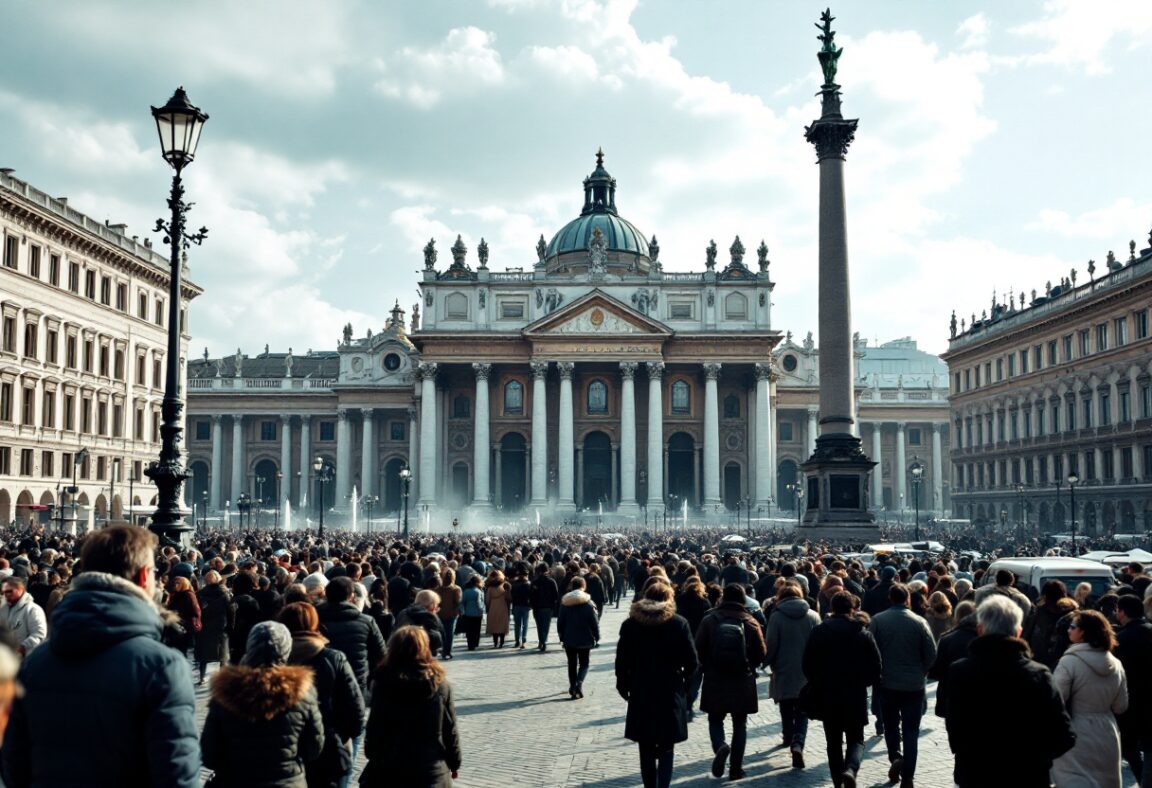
284, 493
627, 503
878, 471
413, 454
937, 468
217, 472
237, 458
711, 435
428, 447
765, 474
343, 459
580, 478
539, 433
566, 450
1137, 460
813, 429
481, 443
899, 471
655, 436
368, 454
305, 492
614, 451
499, 458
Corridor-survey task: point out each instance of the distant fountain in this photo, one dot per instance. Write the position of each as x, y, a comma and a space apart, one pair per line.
91, 526
685, 512
355, 501
287, 515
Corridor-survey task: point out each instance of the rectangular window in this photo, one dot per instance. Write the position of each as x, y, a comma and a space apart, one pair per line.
141, 375
117, 421
51, 345
1126, 462
267, 430
102, 418
511, 310
142, 305
157, 380
9, 335
1125, 406
1101, 337
203, 430
1040, 415
1013, 425
680, 310
27, 464
48, 409
1146, 402
1109, 469
105, 290
1120, 327
914, 436
396, 430
1027, 422
74, 277
1052, 353
327, 430
159, 315
785, 430
1037, 357
28, 407
31, 341
122, 297
1148, 462
88, 360
6, 393
103, 361
956, 383
1140, 322
987, 373
118, 365
1085, 343
1012, 366
48, 464
1089, 465
90, 285
86, 415
11, 251
1071, 412
34, 262
1023, 362
999, 369
101, 464
69, 412
54, 270
967, 379
70, 351
1068, 348
1087, 408
1105, 408
138, 425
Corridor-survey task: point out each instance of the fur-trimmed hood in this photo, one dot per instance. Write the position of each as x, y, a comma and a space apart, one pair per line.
576, 597
260, 693
650, 612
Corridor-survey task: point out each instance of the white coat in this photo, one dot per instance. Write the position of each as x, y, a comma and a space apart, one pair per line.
26, 621
1091, 681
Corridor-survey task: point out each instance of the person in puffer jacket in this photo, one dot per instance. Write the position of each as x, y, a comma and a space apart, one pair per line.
579, 630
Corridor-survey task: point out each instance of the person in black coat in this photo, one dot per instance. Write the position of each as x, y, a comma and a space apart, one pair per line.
655, 656
953, 646
876, 598
1134, 650
1000, 667
247, 614
217, 617
692, 603
351, 632
579, 631
545, 599
338, 694
840, 662
422, 613
399, 594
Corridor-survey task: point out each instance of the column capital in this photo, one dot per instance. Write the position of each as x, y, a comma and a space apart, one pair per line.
216, 417
566, 368
237, 418
766, 371
712, 370
427, 370
539, 369
628, 369
367, 412
900, 426
655, 370
412, 412
342, 414
285, 418
482, 370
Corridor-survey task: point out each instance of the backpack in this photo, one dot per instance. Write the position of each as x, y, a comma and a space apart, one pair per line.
729, 654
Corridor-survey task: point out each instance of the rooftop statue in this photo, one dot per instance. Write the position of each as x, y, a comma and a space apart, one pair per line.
829, 54
482, 253
597, 253
710, 260
430, 255
541, 248
762, 256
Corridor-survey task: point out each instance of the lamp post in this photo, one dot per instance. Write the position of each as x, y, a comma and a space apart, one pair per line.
179, 124
748, 513
279, 496
405, 485
204, 510
244, 506
1073, 479
323, 471
259, 499
74, 491
917, 471
112, 468
1020, 503
132, 497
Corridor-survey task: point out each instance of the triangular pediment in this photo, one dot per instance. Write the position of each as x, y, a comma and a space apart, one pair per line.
597, 314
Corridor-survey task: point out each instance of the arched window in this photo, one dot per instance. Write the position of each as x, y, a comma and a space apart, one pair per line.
456, 307
736, 306
513, 397
731, 407
462, 407
681, 401
597, 397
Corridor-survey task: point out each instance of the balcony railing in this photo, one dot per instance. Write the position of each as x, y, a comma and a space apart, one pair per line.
252, 385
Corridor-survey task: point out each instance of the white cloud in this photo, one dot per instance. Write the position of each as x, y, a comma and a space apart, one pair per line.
463, 60
568, 63
1076, 33
1112, 224
246, 175
974, 30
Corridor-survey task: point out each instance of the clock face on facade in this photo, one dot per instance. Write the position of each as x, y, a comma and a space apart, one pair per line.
392, 362
789, 363
597, 317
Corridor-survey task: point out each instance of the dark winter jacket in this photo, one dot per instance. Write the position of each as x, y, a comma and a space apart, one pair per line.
596, 590
1040, 630
248, 615
655, 657
875, 599
217, 617
953, 646
341, 706
418, 616
1134, 650
693, 608
356, 635
840, 662
723, 692
906, 646
521, 592
412, 737
105, 702
1000, 668
263, 726
399, 593
545, 594
578, 625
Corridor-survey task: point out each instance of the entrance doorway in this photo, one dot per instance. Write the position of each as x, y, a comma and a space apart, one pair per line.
393, 500
597, 471
682, 469
513, 464
460, 485
732, 490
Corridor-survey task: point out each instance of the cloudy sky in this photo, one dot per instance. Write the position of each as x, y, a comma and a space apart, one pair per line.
1000, 144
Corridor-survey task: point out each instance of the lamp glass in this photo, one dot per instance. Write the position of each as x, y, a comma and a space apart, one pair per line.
317, 464
179, 124
1073, 478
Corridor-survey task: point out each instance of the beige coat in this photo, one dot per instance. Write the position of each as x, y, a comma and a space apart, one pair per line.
1091, 681
498, 601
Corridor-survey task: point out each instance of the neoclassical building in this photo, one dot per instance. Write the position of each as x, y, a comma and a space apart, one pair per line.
84, 335
1055, 385
589, 380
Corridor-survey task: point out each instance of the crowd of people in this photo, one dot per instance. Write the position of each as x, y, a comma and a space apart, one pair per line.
317, 650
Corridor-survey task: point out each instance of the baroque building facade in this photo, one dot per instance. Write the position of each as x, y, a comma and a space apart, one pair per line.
591, 380
84, 335
1056, 386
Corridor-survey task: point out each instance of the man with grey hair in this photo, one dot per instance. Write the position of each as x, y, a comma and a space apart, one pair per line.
422, 613
990, 692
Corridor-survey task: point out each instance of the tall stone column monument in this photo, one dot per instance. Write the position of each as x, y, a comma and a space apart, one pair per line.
837, 473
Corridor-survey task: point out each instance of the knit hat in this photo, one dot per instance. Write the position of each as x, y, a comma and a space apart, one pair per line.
183, 569
269, 644
888, 573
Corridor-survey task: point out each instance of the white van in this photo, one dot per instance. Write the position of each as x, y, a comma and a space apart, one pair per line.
1034, 572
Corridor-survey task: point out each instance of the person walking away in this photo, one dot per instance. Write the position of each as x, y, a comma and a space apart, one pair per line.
1134, 650
907, 651
995, 749
521, 595
217, 616
952, 648
579, 631
545, 598
472, 611
449, 611
412, 738
785, 639
247, 614
595, 587
22, 616
422, 613
337, 693
841, 661
730, 646
692, 603
498, 606
184, 604
655, 656
938, 614
1040, 624
132, 712
1094, 688
263, 724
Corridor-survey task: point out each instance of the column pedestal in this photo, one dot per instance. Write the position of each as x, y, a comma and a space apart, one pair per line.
481, 448
711, 438
539, 485
628, 505
565, 502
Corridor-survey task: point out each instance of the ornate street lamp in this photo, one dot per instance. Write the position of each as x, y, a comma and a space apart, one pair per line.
917, 471
405, 485
323, 471
1073, 479
179, 124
